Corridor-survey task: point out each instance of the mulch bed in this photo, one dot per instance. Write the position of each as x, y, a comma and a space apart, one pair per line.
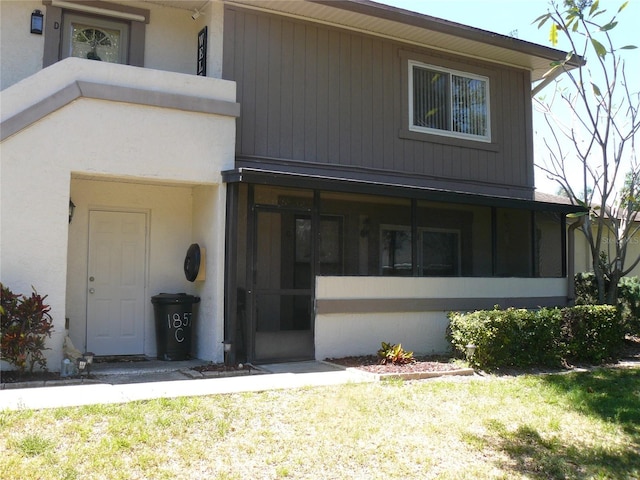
371, 363
368, 363
13, 376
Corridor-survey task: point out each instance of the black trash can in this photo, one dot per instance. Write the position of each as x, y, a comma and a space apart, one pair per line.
174, 324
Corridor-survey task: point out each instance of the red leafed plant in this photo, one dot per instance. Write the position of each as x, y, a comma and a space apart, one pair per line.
24, 325
394, 354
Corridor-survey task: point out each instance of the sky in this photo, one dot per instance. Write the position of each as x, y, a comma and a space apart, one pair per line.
515, 18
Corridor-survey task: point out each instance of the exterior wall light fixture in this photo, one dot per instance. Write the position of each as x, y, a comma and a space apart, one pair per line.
197, 12
470, 350
37, 21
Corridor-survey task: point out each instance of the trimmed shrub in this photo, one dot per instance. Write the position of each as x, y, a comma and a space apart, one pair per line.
24, 324
628, 298
592, 333
508, 338
586, 288
546, 337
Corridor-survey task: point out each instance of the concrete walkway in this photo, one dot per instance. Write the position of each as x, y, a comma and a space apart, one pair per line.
121, 383
131, 383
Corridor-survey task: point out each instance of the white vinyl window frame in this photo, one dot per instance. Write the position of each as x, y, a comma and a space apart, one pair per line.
449, 131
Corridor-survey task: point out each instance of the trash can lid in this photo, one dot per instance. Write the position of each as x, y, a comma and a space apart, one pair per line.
174, 298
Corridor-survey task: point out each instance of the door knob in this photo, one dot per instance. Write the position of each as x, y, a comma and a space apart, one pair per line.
92, 290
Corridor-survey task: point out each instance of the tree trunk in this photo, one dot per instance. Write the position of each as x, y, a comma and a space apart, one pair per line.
612, 291
600, 281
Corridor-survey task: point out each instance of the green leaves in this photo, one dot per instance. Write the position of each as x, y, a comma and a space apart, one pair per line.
574, 17
542, 19
623, 6
596, 90
601, 51
24, 324
392, 353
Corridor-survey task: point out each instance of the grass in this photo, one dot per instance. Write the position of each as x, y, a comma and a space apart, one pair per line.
580, 425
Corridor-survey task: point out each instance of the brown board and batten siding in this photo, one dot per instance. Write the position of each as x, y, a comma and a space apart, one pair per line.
332, 99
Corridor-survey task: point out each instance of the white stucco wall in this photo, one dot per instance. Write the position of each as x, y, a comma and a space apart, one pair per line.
51, 80
343, 334
360, 334
209, 203
20, 51
170, 43
128, 145
169, 216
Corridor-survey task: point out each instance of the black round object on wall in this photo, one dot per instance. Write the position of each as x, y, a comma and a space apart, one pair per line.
192, 262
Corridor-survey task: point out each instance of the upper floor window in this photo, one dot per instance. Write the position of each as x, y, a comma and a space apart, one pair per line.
448, 102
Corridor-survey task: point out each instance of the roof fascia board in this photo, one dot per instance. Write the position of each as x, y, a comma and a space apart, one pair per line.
269, 177
428, 22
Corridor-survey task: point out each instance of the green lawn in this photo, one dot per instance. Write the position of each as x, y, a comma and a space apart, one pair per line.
584, 425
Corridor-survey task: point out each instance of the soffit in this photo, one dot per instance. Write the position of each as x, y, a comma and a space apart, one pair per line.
417, 29
181, 4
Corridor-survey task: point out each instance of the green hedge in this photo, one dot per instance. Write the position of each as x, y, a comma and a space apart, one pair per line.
628, 298
592, 333
546, 337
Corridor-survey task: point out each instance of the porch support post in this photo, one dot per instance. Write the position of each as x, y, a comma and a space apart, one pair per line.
250, 325
563, 240
414, 237
494, 241
315, 255
535, 252
230, 274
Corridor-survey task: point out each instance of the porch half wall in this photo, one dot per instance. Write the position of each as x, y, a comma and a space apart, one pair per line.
355, 314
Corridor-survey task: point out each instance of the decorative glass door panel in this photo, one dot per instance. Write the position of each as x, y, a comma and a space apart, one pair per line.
95, 39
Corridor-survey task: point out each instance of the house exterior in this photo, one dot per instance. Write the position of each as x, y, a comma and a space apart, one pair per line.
354, 171
137, 142
584, 262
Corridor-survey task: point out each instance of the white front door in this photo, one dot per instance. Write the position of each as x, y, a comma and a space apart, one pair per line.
116, 283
